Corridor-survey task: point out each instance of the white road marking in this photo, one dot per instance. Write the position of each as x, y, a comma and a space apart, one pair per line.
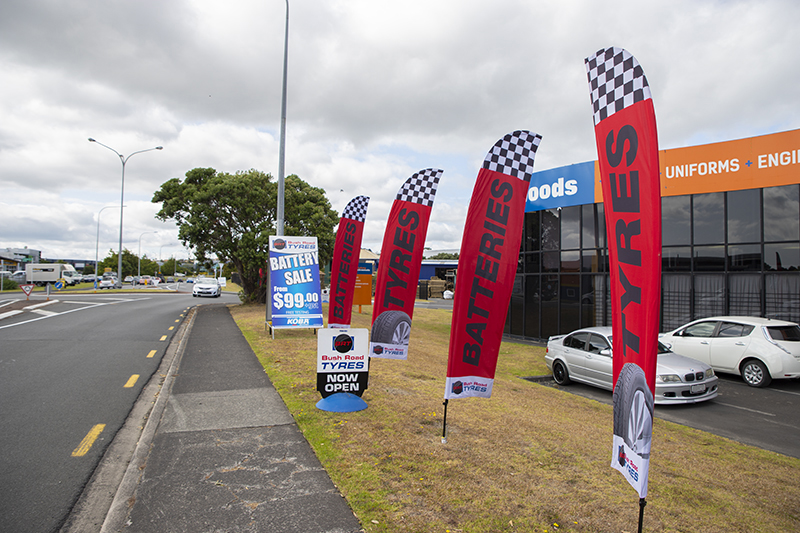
746, 409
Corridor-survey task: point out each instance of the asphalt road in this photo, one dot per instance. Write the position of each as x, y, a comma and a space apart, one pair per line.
768, 418
70, 372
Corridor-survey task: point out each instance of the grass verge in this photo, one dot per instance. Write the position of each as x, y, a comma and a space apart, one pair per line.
530, 459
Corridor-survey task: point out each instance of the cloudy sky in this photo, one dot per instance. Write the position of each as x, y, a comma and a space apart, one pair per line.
377, 90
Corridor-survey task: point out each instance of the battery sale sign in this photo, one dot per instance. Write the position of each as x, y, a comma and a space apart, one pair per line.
294, 282
342, 361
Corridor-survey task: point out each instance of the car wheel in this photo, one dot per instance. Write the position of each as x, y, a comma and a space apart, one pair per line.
633, 409
560, 373
392, 327
755, 373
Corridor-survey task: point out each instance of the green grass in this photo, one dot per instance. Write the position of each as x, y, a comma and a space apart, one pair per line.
531, 458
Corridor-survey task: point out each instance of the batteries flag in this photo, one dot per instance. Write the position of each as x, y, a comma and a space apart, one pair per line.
627, 148
294, 282
488, 263
345, 262
399, 266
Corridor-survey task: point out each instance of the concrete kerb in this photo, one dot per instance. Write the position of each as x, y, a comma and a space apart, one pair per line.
104, 503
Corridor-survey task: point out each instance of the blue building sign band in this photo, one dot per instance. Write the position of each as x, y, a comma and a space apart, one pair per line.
561, 187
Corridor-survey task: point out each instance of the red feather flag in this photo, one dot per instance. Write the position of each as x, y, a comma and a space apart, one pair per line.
627, 148
344, 268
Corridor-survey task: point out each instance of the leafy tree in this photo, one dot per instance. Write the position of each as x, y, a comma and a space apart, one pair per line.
130, 264
231, 216
444, 255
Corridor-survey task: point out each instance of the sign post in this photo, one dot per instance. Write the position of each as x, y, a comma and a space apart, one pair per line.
27, 288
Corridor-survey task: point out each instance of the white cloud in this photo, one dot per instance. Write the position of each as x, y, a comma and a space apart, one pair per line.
377, 91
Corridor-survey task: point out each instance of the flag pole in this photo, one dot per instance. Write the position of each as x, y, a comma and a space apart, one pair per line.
642, 503
444, 422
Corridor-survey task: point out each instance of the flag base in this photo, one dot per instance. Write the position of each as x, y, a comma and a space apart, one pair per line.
342, 402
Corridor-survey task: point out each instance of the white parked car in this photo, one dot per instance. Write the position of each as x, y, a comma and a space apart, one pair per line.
758, 349
206, 287
585, 356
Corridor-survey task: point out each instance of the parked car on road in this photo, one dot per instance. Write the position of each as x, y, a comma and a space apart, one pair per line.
758, 349
107, 283
206, 287
585, 356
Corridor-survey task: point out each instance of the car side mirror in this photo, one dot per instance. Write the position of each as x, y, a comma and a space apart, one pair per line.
606, 351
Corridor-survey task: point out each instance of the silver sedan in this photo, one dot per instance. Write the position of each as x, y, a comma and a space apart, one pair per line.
585, 356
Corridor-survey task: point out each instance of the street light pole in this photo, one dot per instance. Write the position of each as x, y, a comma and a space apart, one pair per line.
97, 246
282, 152
124, 160
139, 269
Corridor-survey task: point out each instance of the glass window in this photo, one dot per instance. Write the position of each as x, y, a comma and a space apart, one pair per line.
709, 295
592, 260
676, 215
744, 216
675, 300
551, 261
676, 259
782, 213
597, 343
709, 258
601, 225
708, 217
549, 307
517, 308
745, 257
550, 230
589, 235
576, 341
532, 306
571, 228
701, 329
532, 230
745, 295
782, 257
783, 296
730, 329
570, 302
532, 262
591, 301
571, 261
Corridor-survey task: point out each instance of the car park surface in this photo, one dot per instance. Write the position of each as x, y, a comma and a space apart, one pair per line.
758, 349
585, 356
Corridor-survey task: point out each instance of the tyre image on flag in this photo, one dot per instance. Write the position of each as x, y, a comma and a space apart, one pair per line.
627, 148
400, 263
345, 262
487, 264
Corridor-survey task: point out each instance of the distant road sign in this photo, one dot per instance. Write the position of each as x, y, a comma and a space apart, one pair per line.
26, 289
60, 284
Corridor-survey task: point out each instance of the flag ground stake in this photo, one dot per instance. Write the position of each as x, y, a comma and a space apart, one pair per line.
444, 423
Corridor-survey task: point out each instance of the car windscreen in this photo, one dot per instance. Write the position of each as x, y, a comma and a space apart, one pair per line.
784, 333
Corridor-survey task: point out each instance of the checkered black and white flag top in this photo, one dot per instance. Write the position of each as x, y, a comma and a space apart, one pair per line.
421, 187
616, 81
356, 209
513, 154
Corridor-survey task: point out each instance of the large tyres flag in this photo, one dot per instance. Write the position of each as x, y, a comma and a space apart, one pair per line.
345, 262
627, 148
488, 263
399, 266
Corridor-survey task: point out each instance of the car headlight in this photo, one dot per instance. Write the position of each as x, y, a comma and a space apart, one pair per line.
668, 378
710, 373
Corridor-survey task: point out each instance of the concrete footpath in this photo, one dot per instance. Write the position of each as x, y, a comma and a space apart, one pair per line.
225, 455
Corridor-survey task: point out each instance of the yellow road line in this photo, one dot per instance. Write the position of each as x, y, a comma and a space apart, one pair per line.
88, 440
178, 320
151, 354
171, 328
131, 381
163, 338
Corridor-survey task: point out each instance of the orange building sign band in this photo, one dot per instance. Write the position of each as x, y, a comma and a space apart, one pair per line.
763, 161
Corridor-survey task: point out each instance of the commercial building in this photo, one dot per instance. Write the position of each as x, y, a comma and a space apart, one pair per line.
730, 239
